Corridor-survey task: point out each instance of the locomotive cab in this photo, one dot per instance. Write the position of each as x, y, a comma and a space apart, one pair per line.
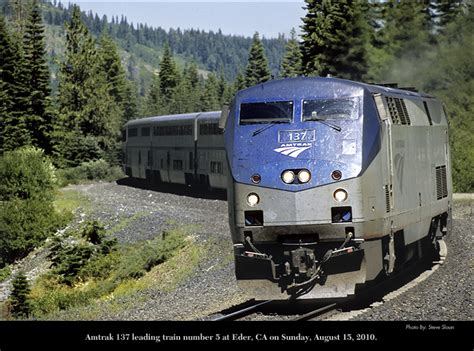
309, 187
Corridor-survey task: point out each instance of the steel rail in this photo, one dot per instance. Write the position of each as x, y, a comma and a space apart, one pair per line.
240, 313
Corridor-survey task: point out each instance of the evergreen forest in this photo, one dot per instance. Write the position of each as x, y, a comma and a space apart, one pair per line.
69, 80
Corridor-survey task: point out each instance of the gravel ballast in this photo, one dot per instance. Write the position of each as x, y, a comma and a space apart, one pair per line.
448, 294
135, 214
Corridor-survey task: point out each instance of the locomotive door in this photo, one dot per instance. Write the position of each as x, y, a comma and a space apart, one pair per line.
387, 157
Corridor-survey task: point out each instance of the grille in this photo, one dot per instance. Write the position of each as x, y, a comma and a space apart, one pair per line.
398, 111
441, 183
387, 199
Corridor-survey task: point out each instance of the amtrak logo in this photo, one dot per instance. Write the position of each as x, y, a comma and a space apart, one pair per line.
293, 149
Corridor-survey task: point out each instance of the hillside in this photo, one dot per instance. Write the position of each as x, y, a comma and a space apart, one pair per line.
141, 46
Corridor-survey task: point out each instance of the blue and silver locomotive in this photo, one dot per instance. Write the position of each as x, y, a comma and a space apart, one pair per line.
333, 184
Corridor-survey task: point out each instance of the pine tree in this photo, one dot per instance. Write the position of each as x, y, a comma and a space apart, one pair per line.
291, 64
404, 37
257, 70
154, 99
19, 9
335, 39
114, 71
188, 92
89, 119
131, 106
192, 75
209, 97
6, 79
39, 115
169, 77
184, 98
222, 90
445, 12
20, 307
239, 82
407, 26
14, 132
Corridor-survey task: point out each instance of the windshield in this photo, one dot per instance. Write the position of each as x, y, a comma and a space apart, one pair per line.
343, 108
266, 112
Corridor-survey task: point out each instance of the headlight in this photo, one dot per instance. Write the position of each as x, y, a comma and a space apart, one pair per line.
253, 199
304, 176
336, 175
256, 178
288, 177
340, 195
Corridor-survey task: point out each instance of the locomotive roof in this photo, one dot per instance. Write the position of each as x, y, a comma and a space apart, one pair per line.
178, 117
319, 85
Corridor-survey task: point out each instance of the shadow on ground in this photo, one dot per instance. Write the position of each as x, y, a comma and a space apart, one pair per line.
176, 189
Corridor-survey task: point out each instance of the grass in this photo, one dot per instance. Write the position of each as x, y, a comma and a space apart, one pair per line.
154, 264
67, 201
125, 222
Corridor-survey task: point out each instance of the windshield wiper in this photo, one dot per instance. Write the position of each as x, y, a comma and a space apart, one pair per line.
323, 121
258, 131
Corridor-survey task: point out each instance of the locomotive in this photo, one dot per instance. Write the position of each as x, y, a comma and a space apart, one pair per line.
333, 184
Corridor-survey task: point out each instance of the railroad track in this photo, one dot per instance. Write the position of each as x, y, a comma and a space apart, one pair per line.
242, 312
302, 310
290, 311
318, 312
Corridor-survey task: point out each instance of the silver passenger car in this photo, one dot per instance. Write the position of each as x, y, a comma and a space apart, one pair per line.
180, 149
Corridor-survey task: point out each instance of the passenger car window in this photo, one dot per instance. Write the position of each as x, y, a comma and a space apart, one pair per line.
266, 112
343, 108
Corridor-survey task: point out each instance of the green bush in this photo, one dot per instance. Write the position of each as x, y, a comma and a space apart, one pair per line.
27, 214
58, 297
74, 148
25, 224
140, 258
92, 170
5, 273
96, 169
70, 257
89, 256
19, 301
26, 174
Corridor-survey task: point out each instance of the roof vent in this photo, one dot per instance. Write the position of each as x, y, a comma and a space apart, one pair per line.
398, 111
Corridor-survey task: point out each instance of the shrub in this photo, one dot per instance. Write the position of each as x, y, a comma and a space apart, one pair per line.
140, 258
5, 273
25, 224
69, 257
52, 297
92, 170
26, 174
27, 214
74, 148
77, 259
19, 302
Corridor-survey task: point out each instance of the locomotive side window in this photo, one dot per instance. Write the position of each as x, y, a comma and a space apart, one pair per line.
132, 132
266, 112
344, 108
146, 131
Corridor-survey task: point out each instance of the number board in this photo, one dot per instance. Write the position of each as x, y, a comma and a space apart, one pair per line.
294, 136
